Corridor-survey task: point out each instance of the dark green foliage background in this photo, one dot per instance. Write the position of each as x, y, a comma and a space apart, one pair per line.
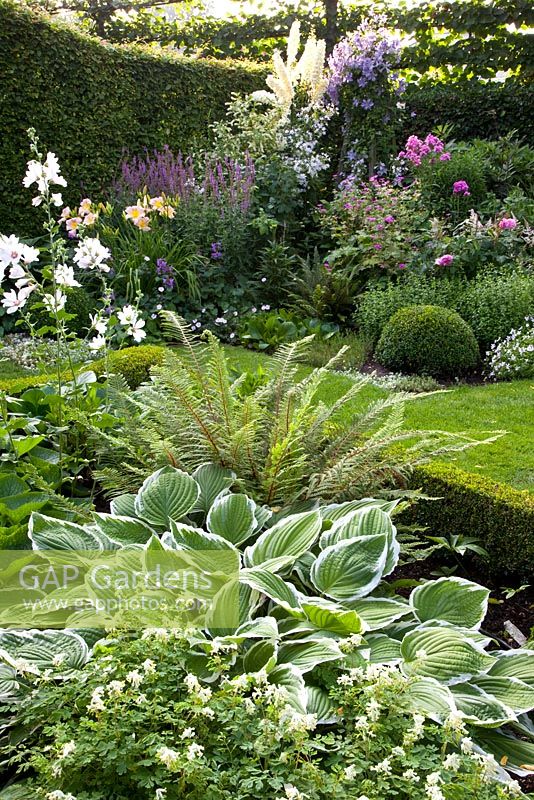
89, 101
472, 505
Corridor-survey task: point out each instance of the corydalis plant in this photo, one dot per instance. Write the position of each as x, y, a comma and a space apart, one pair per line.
282, 442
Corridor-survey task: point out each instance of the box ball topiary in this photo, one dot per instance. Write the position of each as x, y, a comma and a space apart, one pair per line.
133, 363
427, 340
79, 303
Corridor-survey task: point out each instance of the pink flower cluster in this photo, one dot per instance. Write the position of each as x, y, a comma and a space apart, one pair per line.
417, 149
507, 223
444, 261
461, 187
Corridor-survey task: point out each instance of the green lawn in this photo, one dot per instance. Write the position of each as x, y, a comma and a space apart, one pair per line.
481, 408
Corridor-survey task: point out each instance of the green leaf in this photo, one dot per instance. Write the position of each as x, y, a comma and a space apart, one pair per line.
8, 682
18, 507
42, 648
25, 444
330, 617
335, 511
306, 655
510, 691
191, 538
379, 612
289, 538
383, 649
262, 655
212, 479
48, 533
443, 653
123, 506
427, 696
320, 704
232, 517
167, 494
351, 569
515, 754
271, 585
123, 530
453, 600
480, 708
291, 679
11, 484
515, 664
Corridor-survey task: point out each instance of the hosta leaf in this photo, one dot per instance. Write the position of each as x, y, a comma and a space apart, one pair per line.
383, 649
212, 479
10, 485
510, 691
232, 517
478, 707
191, 538
23, 444
271, 585
43, 648
515, 664
262, 655
123, 506
259, 628
167, 494
379, 612
123, 530
320, 704
8, 682
427, 696
335, 511
289, 538
18, 507
351, 569
291, 679
332, 618
344, 528
18, 791
48, 533
444, 654
306, 655
515, 754
453, 600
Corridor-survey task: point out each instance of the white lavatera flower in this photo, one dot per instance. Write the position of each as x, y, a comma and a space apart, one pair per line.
127, 315
55, 302
98, 323
136, 330
57, 199
13, 301
44, 174
91, 254
64, 276
97, 343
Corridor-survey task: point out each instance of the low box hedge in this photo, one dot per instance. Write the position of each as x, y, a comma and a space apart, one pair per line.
500, 516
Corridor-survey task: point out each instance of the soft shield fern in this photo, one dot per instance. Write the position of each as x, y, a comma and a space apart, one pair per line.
283, 444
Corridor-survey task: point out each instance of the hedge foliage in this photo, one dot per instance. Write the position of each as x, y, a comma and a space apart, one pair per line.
477, 109
472, 505
89, 102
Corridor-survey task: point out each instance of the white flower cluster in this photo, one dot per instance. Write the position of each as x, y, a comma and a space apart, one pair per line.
16, 256
300, 143
513, 356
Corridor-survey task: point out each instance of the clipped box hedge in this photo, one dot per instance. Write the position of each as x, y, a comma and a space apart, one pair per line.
500, 516
89, 101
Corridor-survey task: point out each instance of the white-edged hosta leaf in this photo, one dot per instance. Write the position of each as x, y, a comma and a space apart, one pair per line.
262, 655
330, 617
515, 664
18, 791
380, 612
62, 651
212, 479
232, 517
290, 678
515, 754
290, 537
351, 569
48, 533
480, 708
305, 655
345, 527
262, 514
335, 511
123, 505
320, 704
510, 691
454, 600
167, 494
259, 628
271, 585
444, 654
190, 538
383, 649
8, 682
427, 696
123, 530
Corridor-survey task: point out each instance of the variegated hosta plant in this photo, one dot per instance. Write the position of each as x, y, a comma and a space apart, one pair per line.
313, 591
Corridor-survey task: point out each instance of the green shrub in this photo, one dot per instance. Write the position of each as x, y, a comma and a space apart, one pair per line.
133, 363
16, 386
494, 304
472, 505
437, 183
427, 340
125, 98
377, 306
79, 303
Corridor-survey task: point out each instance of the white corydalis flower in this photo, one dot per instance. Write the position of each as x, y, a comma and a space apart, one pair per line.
168, 757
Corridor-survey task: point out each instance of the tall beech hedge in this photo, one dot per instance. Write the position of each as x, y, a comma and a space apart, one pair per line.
89, 101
